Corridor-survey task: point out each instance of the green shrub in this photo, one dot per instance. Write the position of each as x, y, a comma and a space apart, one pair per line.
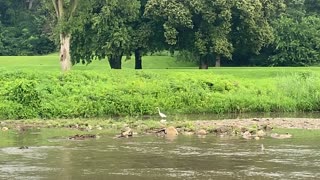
24, 92
130, 93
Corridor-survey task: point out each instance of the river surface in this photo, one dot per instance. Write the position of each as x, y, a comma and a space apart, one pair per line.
150, 157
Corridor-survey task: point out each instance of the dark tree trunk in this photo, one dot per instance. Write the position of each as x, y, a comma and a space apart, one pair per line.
111, 61
218, 61
138, 59
203, 62
172, 52
128, 57
115, 61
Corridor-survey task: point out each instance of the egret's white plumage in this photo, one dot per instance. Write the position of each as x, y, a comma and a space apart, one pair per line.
161, 114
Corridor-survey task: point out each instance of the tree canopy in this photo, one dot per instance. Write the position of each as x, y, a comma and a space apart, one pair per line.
268, 32
22, 29
215, 28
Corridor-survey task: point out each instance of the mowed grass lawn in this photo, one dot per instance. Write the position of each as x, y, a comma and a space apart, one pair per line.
160, 64
51, 63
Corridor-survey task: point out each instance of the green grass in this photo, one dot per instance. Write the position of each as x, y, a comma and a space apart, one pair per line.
51, 63
34, 87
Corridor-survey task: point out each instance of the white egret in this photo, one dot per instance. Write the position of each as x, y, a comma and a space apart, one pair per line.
161, 114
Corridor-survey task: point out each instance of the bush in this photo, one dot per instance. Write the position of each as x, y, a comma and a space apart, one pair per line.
130, 93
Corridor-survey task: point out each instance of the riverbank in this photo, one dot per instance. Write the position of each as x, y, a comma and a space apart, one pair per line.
215, 127
280, 123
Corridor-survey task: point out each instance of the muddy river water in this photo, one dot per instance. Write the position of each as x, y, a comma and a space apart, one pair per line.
151, 157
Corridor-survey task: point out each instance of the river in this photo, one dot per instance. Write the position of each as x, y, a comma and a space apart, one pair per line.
151, 157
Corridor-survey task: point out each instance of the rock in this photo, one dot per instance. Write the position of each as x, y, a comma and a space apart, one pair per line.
188, 133
223, 130
202, 132
163, 121
247, 135
22, 128
24, 147
261, 133
266, 127
171, 131
281, 136
160, 132
127, 132
82, 136
89, 127
5, 129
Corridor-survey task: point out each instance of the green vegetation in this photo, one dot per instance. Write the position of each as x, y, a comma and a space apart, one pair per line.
248, 32
50, 63
104, 93
212, 32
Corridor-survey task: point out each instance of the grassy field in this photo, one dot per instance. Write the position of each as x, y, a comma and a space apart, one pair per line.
51, 63
34, 87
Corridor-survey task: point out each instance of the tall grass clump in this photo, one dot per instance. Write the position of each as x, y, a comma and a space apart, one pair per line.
88, 94
303, 88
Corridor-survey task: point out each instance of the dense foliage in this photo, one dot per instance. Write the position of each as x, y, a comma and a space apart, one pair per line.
297, 42
78, 94
273, 32
23, 29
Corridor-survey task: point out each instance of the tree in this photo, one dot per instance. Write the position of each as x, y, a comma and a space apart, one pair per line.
69, 15
146, 36
106, 32
22, 29
30, 3
295, 9
297, 43
208, 27
312, 6
252, 28
1, 38
64, 12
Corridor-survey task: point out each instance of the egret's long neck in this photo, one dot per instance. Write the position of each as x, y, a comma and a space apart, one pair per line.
159, 110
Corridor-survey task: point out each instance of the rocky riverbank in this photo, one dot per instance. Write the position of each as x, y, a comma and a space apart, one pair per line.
254, 128
284, 123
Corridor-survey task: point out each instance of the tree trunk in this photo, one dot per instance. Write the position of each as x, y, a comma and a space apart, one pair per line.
65, 59
138, 59
128, 57
115, 61
218, 61
203, 62
30, 4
